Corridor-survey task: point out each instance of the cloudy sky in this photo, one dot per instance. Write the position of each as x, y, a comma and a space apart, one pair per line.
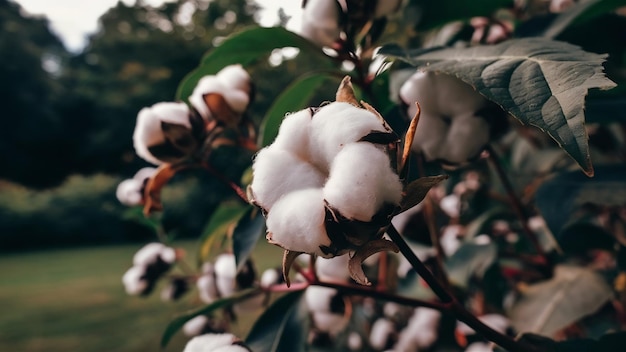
73, 20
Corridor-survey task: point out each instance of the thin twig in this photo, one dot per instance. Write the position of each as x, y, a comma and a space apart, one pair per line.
454, 305
518, 207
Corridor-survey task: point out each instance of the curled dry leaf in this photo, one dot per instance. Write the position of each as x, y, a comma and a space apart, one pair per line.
345, 93
220, 109
417, 190
154, 185
288, 258
368, 249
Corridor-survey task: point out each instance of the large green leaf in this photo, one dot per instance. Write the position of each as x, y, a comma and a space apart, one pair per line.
295, 97
439, 12
244, 48
178, 323
246, 235
225, 216
541, 82
549, 306
281, 328
558, 198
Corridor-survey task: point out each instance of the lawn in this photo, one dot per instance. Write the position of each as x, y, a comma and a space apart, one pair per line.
73, 300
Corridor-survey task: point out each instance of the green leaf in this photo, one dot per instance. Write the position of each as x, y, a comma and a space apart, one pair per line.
560, 196
471, 260
549, 306
244, 48
539, 81
178, 323
225, 216
439, 12
581, 12
246, 235
295, 97
416, 191
281, 328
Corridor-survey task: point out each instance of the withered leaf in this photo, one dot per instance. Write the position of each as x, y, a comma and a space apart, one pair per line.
152, 192
288, 258
345, 93
368, 249
180, 137
220, 109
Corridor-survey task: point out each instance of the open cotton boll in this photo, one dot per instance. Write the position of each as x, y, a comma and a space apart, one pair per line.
133, 281
278, 172
148, 131
149, 254
421, 331
210, 342
320, 22
144, 173
479, 347
381, 335
225, 273
235, 77
237, 100
466, 138
207, 288
296, 222
361, 181
333, 269
331, 323
195, 326
128, 192
293, 135
206, 85
335, 125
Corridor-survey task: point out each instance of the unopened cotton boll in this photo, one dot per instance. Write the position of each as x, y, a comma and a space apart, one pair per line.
335, 125
296, 222
278, 172
195, 326
320, 22
293, 135
210, 342
148, 130
128, 192
381, 336
333, 269
133, 280
361, 182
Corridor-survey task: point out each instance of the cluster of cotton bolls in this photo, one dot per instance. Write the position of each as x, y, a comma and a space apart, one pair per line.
130, 192
456, 121
322, 172
216, 343
150, 263
323, 21
170, 132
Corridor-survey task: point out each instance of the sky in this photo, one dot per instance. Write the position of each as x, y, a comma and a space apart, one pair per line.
74, 20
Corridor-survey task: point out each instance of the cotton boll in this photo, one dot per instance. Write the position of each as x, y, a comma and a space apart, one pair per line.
361, 182
128, 192
148, 131
451, 205
355, 341
278, 172
318, 299
335, 125
381, 336
421, 331
293, 135
207, 288
479, 347
320, 22
225, 274
271, 277
195, 326
148, 254
237, 100
449, 240
466, 138
134, 284
386, 7
333, 269
206, 85
296, 222
431, 134
251, 304
209, 342
558, 6
235, 77
144, 173
331, 323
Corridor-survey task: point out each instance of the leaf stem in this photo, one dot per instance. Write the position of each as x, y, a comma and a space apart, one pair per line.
518, 207
454, 305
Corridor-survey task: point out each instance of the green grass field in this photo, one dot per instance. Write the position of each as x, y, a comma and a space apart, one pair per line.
73, 300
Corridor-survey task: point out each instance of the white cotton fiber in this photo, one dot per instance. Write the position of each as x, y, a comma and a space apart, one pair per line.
296, 222
333, 269
331, 323
479, 347
128, 192
320, 22
270, 277
318, 298
293, 135
148, 254
235, 77
133, 283
194, 326
337, 124
225, 274
361, 181
207, 288
209, 342
421, 331
206, 85
277, 172
382, 329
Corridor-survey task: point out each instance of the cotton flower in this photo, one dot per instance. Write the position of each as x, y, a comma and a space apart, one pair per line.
232, 83
320, 22
454, 125
215, 343
164, 133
